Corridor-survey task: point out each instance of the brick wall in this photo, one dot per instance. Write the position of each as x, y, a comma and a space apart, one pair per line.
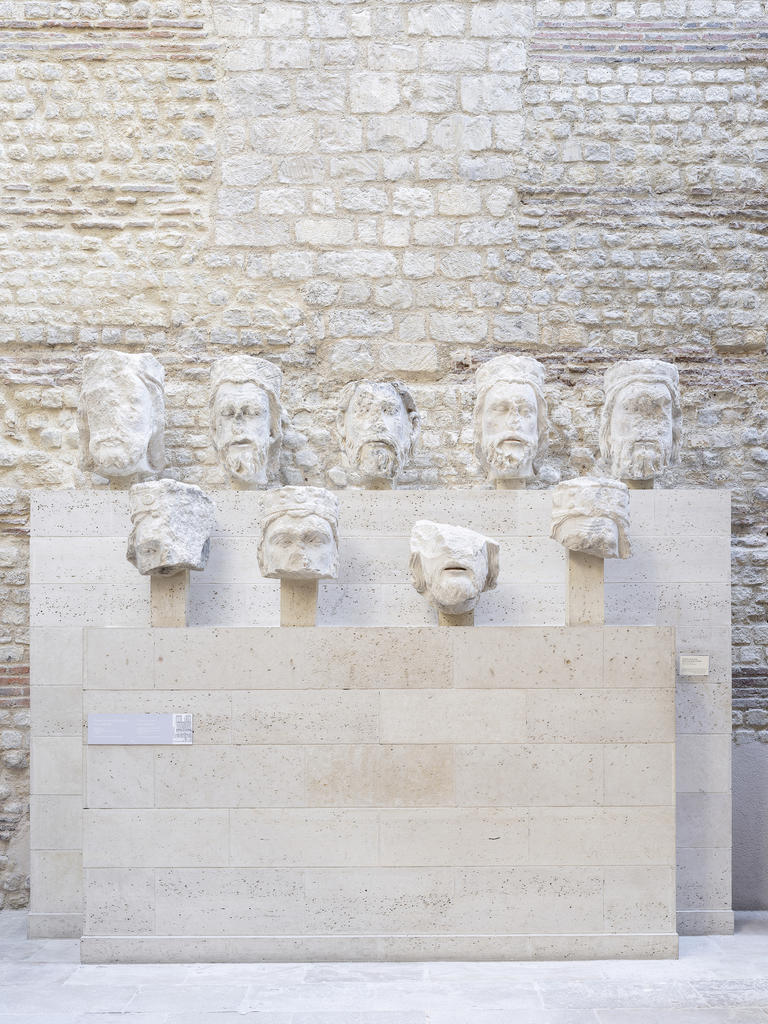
395, 188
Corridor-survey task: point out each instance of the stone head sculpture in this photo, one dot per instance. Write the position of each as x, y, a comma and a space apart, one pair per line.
379, 426
510, 417
452, 566
641, 421
246, 418
121, 416
300, 536
591, 515
171, 527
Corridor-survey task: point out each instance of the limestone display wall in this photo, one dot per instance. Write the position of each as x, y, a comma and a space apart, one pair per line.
401, 188
381, 794
678, 576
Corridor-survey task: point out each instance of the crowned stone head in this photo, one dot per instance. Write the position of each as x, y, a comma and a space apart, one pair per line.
247, 418
510, 416
300, 534
641, 421
453, 566
379, 426
591, 515
121, 416
171, 526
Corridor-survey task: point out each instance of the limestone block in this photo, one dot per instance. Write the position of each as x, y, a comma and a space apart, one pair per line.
453, 716
305, 716
230, 901
704, 763
120, 901
120, 776
56, 765
318, 837
510, 416
57, 877
704, 820
211, 710
639, 897
641, 422
637, 656
639, 773
230, 776
436, 836
120, 659
56, 711
56, 822
493, 900
379, 427
367, 775
529, 657
98, 604
121, 416
171, 527
452, 565
585, 603
602, 835
247, 418
155, 837
601, 716
56, 656
522, 775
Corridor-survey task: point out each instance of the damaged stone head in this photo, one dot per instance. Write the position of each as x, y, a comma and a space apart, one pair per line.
641, 421
591, 515
379, 428
453, 566
510, 416
121, 416
300, 535
247, 418
171, 527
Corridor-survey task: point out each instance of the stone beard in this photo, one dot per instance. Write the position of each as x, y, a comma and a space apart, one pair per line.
122, 414
379, 427
171, 527
246, 418
510, 416
299, 538
591, 515
452, 566
641, 422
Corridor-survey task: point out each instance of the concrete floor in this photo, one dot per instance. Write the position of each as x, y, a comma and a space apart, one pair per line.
716, 980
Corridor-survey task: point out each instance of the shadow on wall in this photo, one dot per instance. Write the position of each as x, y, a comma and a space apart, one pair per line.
750, 815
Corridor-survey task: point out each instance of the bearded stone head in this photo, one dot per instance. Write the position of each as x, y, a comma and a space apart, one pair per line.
591, 515
171, 525
510, 416
379, 426
300, 535
641, 421
453, 566
247, 418
121, 416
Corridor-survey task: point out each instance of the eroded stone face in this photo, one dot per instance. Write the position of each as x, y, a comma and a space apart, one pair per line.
510, 416
591, 515
246, 418
379, 427
171, 527
641, 420
451, 565
300, 534
122, 414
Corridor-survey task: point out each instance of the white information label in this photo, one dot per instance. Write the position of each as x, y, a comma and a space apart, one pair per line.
139, 729
694, 664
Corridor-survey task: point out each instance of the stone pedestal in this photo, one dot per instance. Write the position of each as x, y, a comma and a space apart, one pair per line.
169, 597
298, 602
446, 619
585, 603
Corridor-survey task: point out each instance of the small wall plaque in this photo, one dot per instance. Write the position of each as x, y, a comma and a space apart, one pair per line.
137, 729
694, 664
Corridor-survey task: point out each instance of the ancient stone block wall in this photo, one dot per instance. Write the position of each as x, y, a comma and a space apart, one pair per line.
396, 188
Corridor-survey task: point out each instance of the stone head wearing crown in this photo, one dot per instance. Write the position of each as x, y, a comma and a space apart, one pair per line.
247, 418
641, 421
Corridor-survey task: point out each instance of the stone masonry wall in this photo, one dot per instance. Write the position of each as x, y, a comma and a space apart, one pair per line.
390, 188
